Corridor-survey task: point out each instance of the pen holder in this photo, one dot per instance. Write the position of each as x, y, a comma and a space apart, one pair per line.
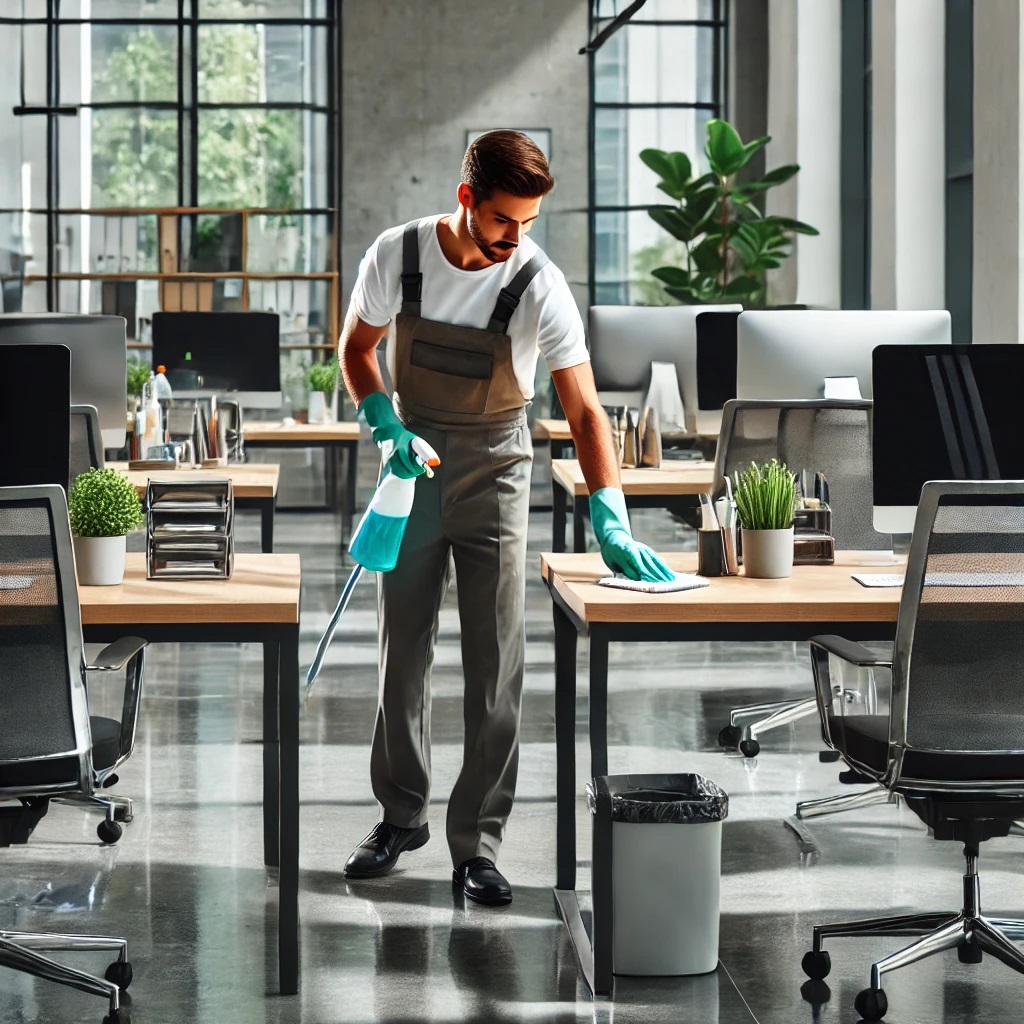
711, 553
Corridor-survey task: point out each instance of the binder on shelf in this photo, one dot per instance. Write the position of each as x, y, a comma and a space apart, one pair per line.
189, 529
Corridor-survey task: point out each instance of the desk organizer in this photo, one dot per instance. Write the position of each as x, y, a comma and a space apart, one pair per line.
189, 530
813, 543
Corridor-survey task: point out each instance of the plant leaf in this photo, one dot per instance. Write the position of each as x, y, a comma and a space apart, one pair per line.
672, 220
776, 177
674, 168
676, 277
789, 224
724, 148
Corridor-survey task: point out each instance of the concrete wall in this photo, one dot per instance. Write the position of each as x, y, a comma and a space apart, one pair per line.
417, 76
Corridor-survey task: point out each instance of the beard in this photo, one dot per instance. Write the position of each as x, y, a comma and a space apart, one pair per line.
496, 252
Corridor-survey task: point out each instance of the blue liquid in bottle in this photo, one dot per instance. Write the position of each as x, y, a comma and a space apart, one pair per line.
377, 540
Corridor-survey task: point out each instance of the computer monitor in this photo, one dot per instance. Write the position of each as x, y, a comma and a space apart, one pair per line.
217, 353
98, 360
35, 422
625, 340
942, 413
716, 359
788, 354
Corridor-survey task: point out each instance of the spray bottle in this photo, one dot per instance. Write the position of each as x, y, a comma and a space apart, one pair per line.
378, 537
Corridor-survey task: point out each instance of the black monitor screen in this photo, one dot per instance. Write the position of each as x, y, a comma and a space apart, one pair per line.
944, 413
36, 435
716, 359
219, 351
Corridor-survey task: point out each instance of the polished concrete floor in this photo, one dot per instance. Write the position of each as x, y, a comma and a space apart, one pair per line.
187, 887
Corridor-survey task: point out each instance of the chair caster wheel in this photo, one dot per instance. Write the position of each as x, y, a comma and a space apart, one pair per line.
969, 953
110, 780
729, 737
816, 965
828, 756
109, 832
871, 1004
750, 748
120, 973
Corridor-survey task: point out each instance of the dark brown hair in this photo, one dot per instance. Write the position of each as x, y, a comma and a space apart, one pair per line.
506, 161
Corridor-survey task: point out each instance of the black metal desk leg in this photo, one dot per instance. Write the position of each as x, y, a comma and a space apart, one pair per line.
351, 477
271, 793
267, 508
598, 702
559, 500
288, 810
579, 534
565, 749
601, 888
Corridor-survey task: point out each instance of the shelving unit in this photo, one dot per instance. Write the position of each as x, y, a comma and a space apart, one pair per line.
172, 246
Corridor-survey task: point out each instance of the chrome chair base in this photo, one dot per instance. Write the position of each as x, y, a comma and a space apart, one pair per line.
116, 808
766, 717
22, 951
845, 802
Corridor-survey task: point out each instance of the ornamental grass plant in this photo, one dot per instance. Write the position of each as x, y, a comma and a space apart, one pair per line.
765, 496
323, 377
102, 503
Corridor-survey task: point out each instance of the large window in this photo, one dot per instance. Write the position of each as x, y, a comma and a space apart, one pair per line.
113, 104
655, 83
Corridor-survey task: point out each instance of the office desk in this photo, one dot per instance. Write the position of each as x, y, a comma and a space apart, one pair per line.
667, 487
334, 438
259, 604
253, 486
556, 433
816, 599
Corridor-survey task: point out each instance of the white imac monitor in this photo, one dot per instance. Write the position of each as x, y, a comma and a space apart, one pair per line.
99, 357
625, 340
789, 353
942, 413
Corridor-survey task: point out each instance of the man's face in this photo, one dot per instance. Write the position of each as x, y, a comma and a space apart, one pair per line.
498, 224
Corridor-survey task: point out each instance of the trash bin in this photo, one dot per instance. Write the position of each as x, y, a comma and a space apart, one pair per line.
666, 867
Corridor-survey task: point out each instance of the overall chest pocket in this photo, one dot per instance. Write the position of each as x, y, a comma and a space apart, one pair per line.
446, 378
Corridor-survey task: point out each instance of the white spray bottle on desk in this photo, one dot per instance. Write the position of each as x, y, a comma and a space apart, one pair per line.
378, 537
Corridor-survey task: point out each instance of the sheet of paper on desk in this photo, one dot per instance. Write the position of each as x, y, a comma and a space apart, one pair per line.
683, 581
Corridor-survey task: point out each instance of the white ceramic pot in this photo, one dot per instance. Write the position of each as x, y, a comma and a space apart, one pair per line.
99, 561
767, 554
319, 409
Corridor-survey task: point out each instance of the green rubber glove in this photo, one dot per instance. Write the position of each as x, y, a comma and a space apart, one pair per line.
382, 420
620, 552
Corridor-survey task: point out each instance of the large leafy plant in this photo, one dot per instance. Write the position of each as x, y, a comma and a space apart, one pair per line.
730, 244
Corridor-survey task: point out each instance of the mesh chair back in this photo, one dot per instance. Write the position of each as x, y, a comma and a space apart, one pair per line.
86, 440
44, 712
958, 677
833, 437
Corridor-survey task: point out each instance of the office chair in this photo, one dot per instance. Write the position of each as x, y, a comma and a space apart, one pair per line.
50, 747
45, 730
86, 440
830, 436
952, 742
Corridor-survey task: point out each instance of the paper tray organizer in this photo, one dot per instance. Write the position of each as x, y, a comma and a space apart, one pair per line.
189, 530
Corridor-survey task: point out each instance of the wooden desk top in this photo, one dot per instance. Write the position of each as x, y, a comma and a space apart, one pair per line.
673, 478
554, 430
272, 430
814, 593
249, 480
262, 588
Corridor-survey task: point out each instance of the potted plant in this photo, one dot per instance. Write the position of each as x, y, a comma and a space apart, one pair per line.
322, 380
104, 508
137, 375
729, 243
765, 496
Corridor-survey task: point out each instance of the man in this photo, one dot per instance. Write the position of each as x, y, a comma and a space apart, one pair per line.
472, 299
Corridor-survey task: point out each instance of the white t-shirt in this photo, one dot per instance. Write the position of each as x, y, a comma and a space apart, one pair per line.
546, 319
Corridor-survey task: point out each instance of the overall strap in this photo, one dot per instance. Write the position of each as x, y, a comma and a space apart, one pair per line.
412, 279
509, 296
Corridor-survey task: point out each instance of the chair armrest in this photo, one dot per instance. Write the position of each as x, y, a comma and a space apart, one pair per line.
116, 655
851, 651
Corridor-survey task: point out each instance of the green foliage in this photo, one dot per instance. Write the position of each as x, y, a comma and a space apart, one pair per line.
323, 376
730, 245
138, 374
765, 496
102, 503
246, 157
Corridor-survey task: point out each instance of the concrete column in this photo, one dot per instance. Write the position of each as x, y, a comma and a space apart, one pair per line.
804, 121
998, 172
908, 155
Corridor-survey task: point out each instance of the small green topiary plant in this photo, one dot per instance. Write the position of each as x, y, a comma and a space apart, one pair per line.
138, 374
102, 503
323, 377
765, 496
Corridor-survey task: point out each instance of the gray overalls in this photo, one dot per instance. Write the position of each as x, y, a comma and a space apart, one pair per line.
455, 387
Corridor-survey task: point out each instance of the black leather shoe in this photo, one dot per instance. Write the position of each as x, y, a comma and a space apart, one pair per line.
482, 882
378, 853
